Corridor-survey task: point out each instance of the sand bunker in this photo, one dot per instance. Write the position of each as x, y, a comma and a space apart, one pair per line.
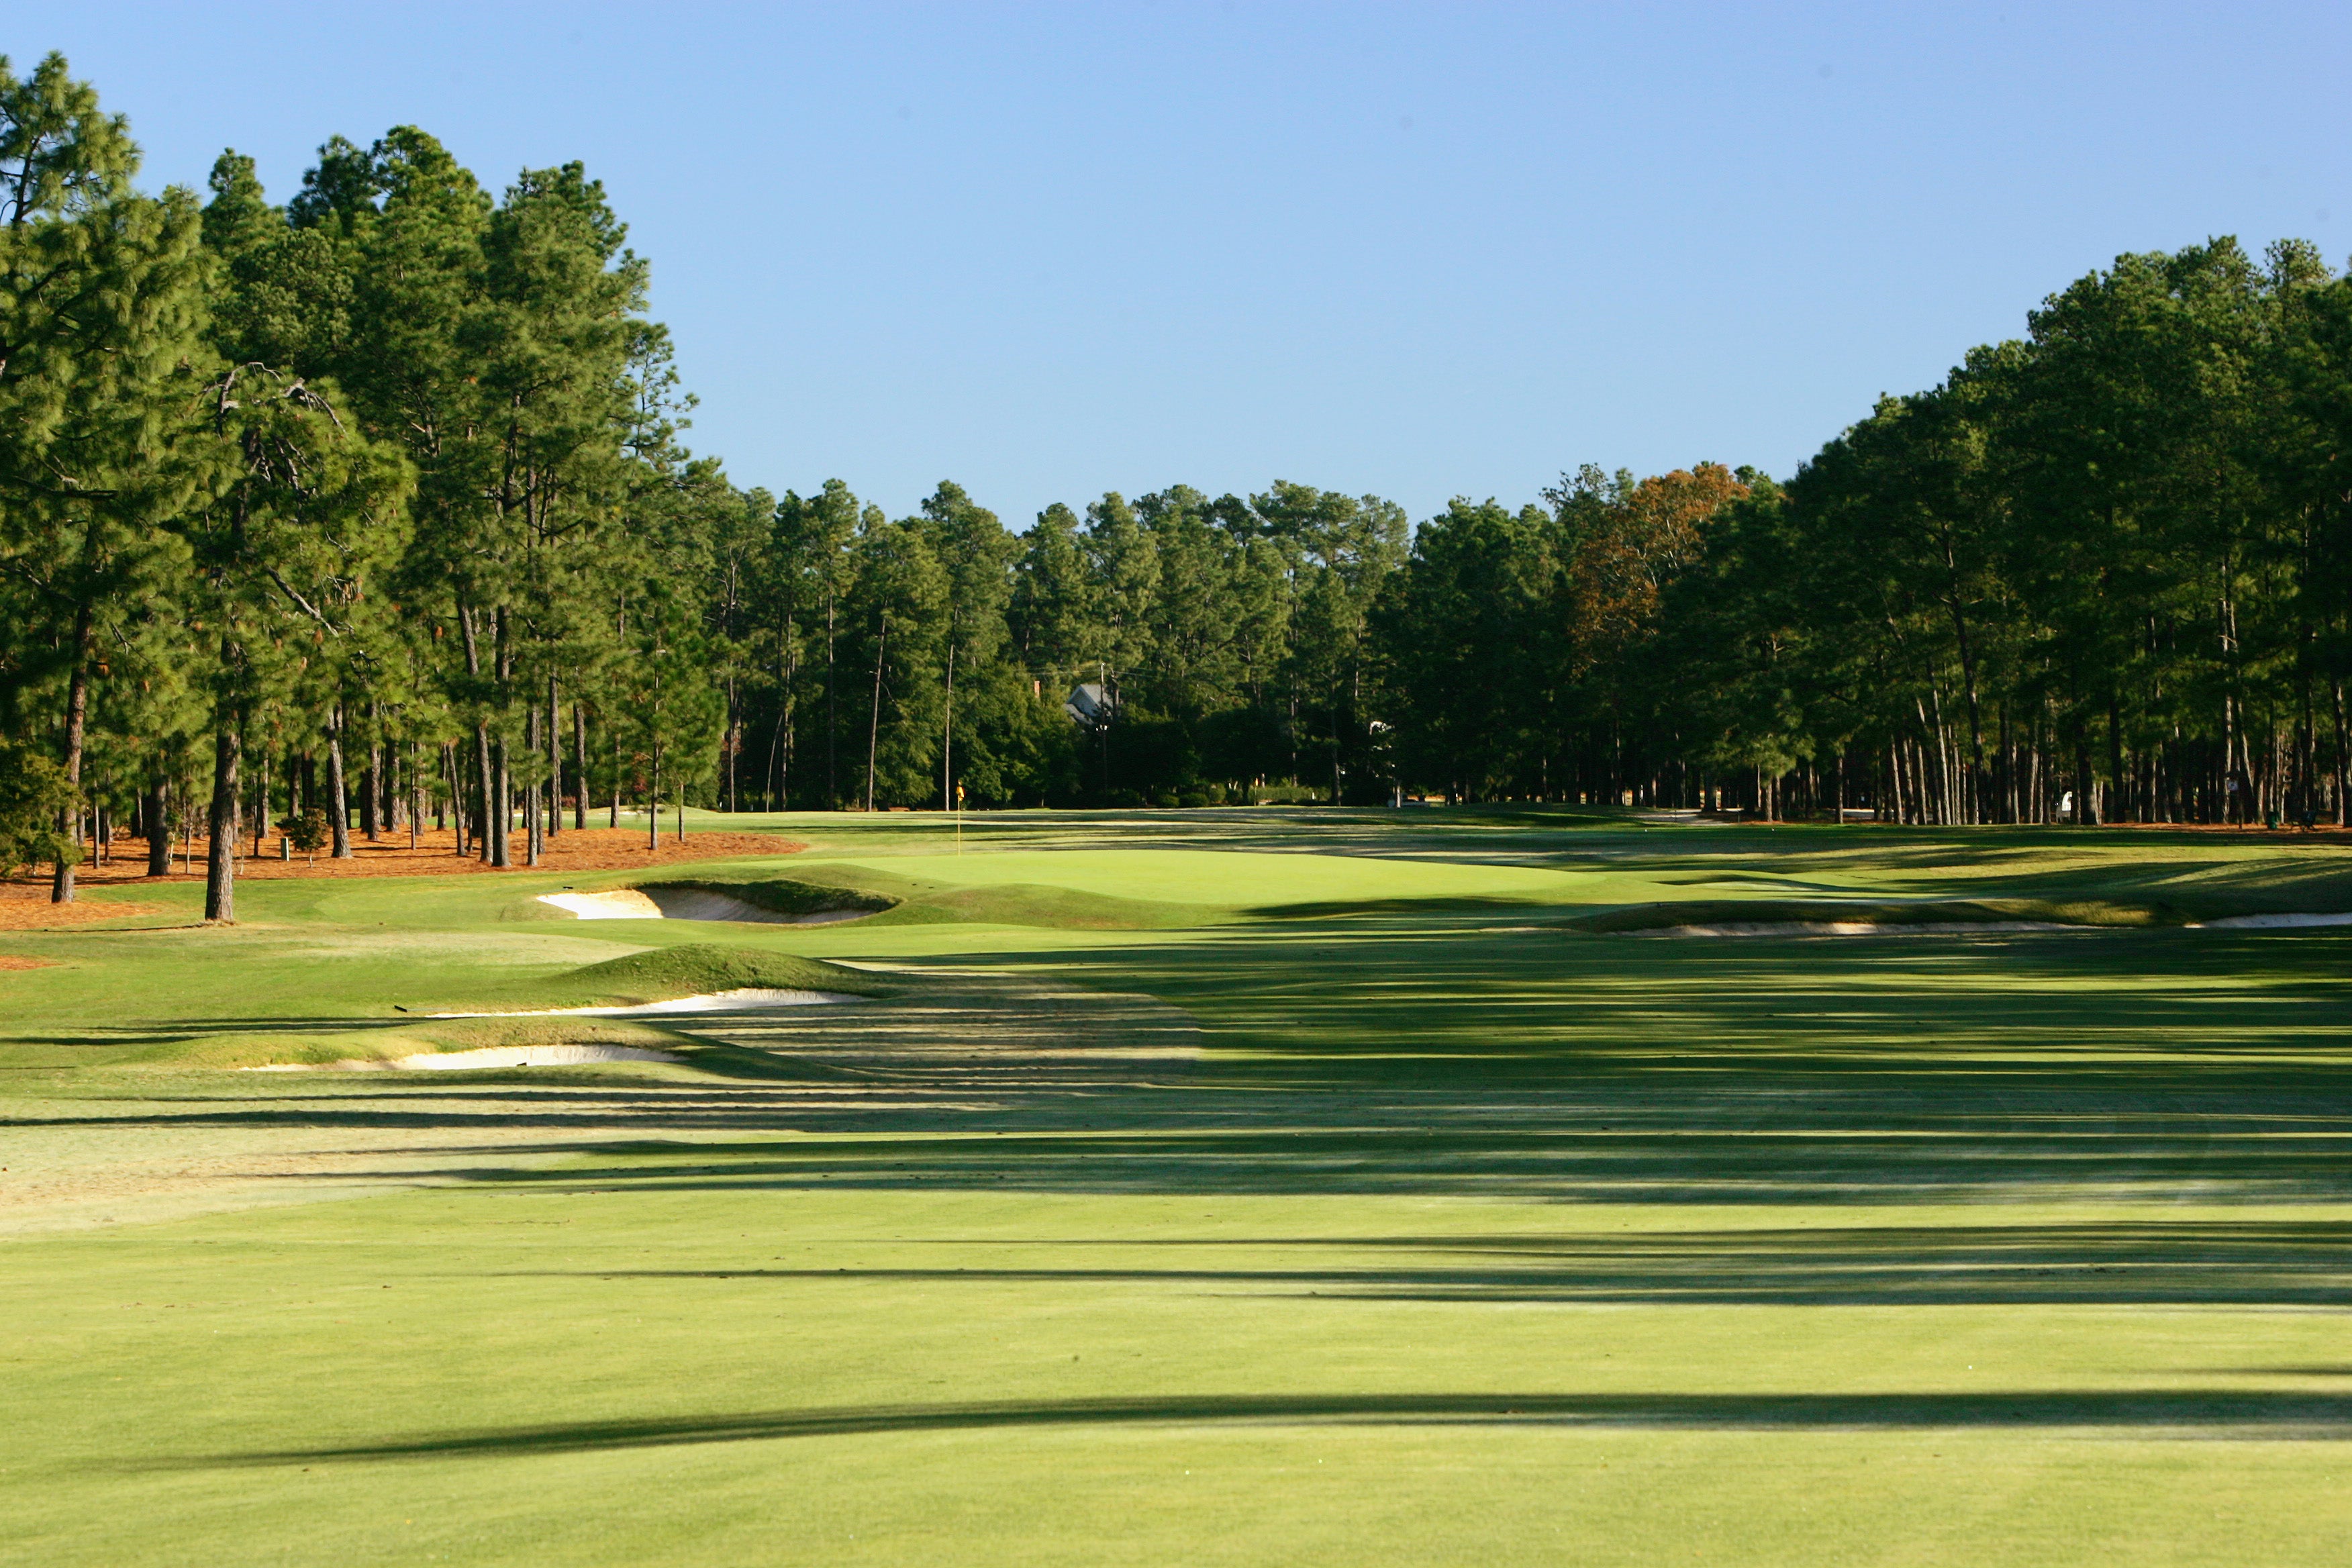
531, 1057
2273, 922
623, 904
683, 904
487, 1056
1862, 928
714, 1002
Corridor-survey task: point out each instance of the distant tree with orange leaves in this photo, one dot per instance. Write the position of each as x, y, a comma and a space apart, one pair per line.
1624, 542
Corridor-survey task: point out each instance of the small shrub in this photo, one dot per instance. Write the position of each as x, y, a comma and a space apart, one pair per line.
307, 831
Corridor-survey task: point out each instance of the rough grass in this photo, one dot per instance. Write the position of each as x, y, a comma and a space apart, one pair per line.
783, 896
664, 973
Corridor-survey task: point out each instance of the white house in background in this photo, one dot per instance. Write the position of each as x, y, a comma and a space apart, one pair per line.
1090, 704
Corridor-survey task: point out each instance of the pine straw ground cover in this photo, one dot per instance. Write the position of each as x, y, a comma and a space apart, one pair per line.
436, 854
25, 899
25, 905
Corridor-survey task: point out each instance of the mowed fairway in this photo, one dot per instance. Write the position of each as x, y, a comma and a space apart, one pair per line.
1215, 1187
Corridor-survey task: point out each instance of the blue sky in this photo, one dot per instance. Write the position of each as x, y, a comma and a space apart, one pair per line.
1413, 251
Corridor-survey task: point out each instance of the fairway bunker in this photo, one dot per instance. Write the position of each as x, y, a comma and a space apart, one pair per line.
529, 1056
744, 1000
484, 1059
1865, 927
687, 903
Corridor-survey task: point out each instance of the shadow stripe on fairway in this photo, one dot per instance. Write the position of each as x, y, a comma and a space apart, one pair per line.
1720, 1281
2238, 1413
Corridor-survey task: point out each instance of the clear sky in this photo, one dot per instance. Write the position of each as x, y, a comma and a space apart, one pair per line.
1418, 250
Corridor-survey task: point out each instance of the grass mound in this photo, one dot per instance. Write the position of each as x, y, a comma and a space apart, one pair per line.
666, 974
1842, 912
390, 1043
1035, 904
785, 897
1329, 908
908, 901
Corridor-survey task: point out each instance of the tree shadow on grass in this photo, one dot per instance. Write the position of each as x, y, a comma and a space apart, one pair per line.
2220, 1412
1524, 1066
1425, 1147
2254, 1263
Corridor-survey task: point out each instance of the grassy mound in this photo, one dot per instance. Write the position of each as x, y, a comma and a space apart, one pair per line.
666, 974
908, 901
784, 897
389, 1043
1035, 904
1434, 907
1824, 912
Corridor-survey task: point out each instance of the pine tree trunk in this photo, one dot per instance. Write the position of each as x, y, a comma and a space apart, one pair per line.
554, 758
502, 805
371, 789
220, 857
339, 815
502, 830
484, 792
579, 759
874, 720
2343, 758
832, 716
531, 825
159, 832
61, 886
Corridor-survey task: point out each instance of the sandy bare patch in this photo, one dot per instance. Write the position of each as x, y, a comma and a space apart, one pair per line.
16, 961
712, 1002
531, 1057
621, 904
487, 1056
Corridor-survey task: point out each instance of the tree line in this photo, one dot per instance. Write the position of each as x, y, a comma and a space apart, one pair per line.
368, 513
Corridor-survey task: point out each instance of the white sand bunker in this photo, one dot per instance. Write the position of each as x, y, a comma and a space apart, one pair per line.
529, 1056
713, 1002
487, 1056
1862, 928
2273, 922
684, 904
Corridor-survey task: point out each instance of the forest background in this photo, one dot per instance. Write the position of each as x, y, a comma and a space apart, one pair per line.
372, 508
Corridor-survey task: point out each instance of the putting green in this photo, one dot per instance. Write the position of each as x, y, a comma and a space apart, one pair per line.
1223, 1187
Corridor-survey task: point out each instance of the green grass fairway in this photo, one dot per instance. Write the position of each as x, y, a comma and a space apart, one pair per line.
1207, 1187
